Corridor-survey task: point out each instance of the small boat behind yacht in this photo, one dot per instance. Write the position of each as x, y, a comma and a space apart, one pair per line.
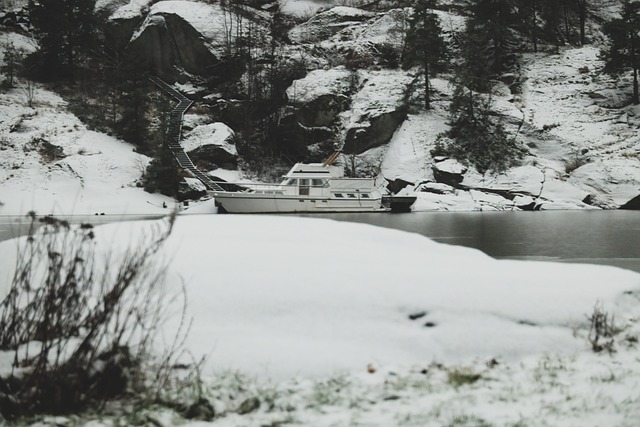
309, 188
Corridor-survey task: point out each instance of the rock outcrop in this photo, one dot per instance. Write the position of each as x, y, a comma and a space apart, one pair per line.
611, 183
377, 109
177, 39
321, 95
326, 24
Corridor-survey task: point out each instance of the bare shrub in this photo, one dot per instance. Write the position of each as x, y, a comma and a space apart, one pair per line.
80, 330
574, 163
602, 330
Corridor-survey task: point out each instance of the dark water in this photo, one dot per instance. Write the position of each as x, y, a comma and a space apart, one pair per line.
596, 237
13, 226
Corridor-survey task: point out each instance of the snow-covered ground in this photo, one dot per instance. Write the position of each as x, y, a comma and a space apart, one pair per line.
330, 323
51, 163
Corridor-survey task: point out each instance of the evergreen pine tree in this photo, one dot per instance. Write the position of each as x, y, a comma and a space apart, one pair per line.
12, 61
65, 28
133, 124
487, 46
475, 137
162, 175
424, 44
623, 51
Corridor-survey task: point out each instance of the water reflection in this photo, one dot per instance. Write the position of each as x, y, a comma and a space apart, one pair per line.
598, 237
595, 237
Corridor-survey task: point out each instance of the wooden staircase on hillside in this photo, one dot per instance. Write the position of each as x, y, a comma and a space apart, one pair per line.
174, 133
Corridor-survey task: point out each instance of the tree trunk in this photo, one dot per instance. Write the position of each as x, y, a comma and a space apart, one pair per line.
567, 27
582, 14
636, 99
71, 62
427, 94
534, 29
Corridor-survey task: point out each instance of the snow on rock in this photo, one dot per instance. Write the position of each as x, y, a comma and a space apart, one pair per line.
436, 187
559, 95
304, 8
204, 18
458, 201
383, 29
214, 143
124, 9
451, 166
525, 180
326, 24
491, 202
408, 157
611, 182
252, 316
21, 42
560, 194
321, 95
451, 23
317, 83
217, 134
182, 35
377, 109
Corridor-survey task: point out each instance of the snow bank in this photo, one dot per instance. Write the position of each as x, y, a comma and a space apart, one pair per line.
286, 296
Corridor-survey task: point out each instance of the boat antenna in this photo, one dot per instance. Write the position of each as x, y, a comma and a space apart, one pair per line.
332, 158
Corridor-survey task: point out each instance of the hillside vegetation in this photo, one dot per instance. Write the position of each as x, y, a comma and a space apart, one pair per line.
470, 104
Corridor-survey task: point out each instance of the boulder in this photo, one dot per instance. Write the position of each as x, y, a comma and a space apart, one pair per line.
559, 194
320, 96
633, 204
191, 189
490, 202
450, 172
377, 109
178, 37
524, 180
211, 146
435, 188
397, 185
525, 203
454, 202
611, 183
168, 44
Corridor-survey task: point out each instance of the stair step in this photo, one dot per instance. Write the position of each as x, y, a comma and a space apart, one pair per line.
174, 128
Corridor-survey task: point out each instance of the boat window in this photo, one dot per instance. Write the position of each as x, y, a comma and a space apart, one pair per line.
339, 195
317, 182
292, 181
351, 195
365, 195
303, 190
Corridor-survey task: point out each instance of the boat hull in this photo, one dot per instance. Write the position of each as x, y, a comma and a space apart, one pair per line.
233, 202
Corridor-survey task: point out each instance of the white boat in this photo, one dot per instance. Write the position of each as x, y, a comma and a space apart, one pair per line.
307, 187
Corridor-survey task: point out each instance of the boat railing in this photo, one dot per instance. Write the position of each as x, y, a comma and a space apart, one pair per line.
336, 184
257, 186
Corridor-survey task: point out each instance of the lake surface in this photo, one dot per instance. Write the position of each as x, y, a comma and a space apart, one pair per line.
13, 226
595, 237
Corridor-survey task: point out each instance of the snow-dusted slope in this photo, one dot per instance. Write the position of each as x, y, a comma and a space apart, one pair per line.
576, 124
51, 163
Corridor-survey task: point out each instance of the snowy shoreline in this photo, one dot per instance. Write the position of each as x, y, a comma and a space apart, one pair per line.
302, 306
